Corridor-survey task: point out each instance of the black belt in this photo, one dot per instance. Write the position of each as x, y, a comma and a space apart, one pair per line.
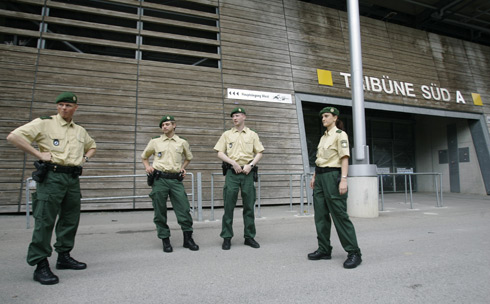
64, 169
161, 174
320, 170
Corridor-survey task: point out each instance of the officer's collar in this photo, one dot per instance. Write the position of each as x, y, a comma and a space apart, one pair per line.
165, 137
64, 122
245, 129
332, 131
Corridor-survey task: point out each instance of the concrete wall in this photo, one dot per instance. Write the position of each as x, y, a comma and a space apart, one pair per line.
431, 137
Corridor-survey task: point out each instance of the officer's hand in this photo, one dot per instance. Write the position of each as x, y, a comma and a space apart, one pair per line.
247, 169
237, 168
45, 156
312, 182
183, 172
149, 170
343, 186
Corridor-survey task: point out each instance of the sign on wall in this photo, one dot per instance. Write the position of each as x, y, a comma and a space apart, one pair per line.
388, 86
259, 96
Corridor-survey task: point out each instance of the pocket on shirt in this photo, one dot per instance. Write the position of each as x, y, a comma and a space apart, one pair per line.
57, 142
329, 151
81, 142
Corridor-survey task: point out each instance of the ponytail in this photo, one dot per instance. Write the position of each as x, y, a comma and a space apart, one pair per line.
339, 124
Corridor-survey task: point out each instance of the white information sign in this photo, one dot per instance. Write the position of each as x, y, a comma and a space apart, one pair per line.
404, 170
259, 96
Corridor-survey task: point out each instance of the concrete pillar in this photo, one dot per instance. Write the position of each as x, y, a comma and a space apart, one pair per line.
363, 191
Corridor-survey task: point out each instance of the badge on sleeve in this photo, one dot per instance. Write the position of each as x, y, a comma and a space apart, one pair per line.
56, 142
344, 144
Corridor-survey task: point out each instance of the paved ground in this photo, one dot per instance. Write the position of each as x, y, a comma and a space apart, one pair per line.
424, 255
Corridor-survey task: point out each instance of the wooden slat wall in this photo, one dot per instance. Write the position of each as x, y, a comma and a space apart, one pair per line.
17, 75
256, 57
319, 38
273, 46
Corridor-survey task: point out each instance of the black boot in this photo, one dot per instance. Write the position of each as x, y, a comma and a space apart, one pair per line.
166, 245
65, 261
189, 242
43, 274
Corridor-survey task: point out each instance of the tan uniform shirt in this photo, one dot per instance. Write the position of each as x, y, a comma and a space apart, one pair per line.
167, 153
333, 145
240, 146
67, 142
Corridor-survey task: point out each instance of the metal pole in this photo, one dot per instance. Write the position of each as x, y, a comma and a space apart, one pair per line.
258, 194
193, 195
212, 196
199, 196
357, 83
302, 212
410, 182
291, 192
28, 208
405, 177
440, 185
382, 193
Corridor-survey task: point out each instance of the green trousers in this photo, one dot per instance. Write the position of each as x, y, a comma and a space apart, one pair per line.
58, 195
330, 205
163, 188
233, 183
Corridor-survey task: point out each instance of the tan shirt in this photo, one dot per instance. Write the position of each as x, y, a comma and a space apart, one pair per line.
67, 142
333, 145
239, 146
168, 153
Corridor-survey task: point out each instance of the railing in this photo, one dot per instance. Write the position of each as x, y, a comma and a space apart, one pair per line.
258, 202
438, 189
29, 180
304, 178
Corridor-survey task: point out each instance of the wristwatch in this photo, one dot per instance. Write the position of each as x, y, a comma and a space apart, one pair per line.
86, 158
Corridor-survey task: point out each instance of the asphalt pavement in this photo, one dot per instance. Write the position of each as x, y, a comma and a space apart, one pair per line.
427, 254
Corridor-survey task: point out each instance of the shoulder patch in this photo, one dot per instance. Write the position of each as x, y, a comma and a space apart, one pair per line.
46, 117
339, 131
155, 137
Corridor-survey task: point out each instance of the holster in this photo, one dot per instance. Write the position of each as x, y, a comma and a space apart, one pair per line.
77, 171
225, 166
181, 176
150, 178
41, 170
255, 172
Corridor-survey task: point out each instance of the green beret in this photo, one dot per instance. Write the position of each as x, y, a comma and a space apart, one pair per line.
166, 118
67, 97
238, 110
332, 110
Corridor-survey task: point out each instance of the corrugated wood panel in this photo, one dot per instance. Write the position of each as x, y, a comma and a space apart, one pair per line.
193, 95
17, 74
255, 56
319, 38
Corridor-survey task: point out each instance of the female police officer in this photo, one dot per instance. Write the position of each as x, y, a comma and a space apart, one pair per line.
329, 184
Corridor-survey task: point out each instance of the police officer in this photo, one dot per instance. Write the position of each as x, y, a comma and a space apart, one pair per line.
63, 148
240, 149
329, 184
171, 155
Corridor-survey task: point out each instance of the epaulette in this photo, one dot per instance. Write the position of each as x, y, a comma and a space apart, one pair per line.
253, 130
155, 137
339, 131
183, 138
46, 117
